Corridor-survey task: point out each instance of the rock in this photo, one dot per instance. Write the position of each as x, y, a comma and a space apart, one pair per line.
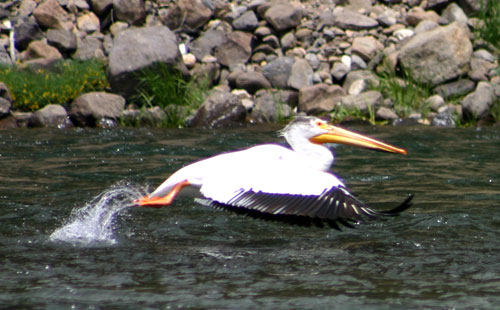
357, 63
88, 22
252, 81
63, 40
50, 14
417, 14
479, 69
319, 98
484, 55
301, 74
152, 117
426, 25
385, 114
5, 93
455, 89
402, 34
271, 107
5, 106
434, 102
476, 105
89, 47
220, 109
278, 71
454, 13
363, 102
39, 49
136, 49
288, 41
101, 7
436, 56
367, 79
471, 7
195, 13
8, 122
4, 57
189, 60
236, 50
52, 115
443, 119
91, 108
366, 47
347, 19
21, 119
208, 41
129, 11
26, 31
339, 71
283, 16
246, 22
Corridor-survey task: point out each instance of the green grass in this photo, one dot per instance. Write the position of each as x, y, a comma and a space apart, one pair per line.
408, 94
178, 97
33, 87
489, 29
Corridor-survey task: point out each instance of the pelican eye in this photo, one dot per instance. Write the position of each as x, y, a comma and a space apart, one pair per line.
319, 123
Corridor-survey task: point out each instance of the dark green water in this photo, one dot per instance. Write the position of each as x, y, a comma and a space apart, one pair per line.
444, 253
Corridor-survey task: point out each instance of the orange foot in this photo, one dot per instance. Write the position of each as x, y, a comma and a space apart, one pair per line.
158, 202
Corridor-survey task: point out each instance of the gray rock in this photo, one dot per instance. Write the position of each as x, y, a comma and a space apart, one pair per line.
339, 70
347, 19
236, 50
386, 114
484, 55
476, 105
368, 77
454, 13
8, 122
283, 16
152, 117
63, 40
246, 22
252, 81
208, 41
88, 22
435, 102
26, 30
271, 107
443, 119
5, 57
479, 69
436, 4
278, 71
471, 7
52, 115
273, 40
136, 49
90, 108
426, 25
5, 93
357, 63
129, 11
438, 55
313, 60
366, 47
457, 88
50, 14
288, 41
5, 106
363, 102
416, 14
89, 47
301, 74
39, 49
220, 109
195, 13
319, 98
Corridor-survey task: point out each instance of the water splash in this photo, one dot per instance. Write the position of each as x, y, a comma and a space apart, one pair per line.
93, 223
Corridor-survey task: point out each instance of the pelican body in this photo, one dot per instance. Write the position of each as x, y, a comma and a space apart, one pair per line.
270, 181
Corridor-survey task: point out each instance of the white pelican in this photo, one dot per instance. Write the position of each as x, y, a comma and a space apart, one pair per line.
275, 182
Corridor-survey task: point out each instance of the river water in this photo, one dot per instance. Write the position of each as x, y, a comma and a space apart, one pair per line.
69, 238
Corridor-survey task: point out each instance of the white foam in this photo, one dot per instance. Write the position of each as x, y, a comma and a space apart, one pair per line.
93, 223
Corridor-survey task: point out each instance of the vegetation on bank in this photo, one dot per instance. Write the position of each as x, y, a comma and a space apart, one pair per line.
168, 89
34, 87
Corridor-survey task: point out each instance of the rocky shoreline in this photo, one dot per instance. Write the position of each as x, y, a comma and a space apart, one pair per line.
266, 60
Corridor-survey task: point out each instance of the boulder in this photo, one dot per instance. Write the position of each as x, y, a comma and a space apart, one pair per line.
366, 47
195, 13
347, 19
91, 108
52, 115
272, 107
50, 14
417, 14
236, 50
246, 22
101, 7
301, 74
252, 81
436, 56
283, 16
364, 102
5, 106
27, 30
385, 114
319, 98
63, 40
89, 47
88, 22
455, 89
476, 105
278, 71
220, 109
40, 49
136, 49
208, 41
129, 11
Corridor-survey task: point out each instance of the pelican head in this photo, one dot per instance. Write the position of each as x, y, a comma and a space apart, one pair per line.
318, 131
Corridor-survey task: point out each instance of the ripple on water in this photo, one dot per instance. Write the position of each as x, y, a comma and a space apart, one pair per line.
93, 223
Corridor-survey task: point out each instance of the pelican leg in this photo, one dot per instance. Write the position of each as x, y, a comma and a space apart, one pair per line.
158, 202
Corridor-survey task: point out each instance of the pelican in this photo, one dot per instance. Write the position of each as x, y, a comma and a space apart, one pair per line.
291, 184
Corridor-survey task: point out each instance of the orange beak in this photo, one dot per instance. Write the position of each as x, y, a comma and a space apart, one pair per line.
343, 136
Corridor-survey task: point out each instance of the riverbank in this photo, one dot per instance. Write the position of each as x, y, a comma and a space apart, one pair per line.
406, 61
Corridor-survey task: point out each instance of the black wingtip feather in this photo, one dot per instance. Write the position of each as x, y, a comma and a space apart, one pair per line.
406, 204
